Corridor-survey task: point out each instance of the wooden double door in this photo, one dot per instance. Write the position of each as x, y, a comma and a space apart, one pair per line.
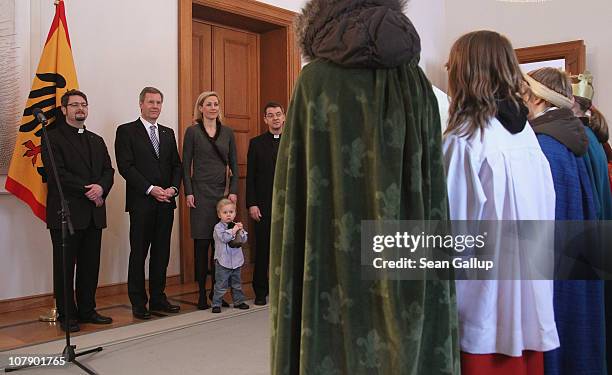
247, 52
226, 60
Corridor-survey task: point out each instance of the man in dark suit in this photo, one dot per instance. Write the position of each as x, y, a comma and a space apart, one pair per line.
148, 159
86, 174
261, 161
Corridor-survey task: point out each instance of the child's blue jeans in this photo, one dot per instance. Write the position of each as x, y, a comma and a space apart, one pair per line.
225, 277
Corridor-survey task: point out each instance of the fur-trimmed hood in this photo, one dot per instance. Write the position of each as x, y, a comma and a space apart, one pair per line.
358, 33
562, 125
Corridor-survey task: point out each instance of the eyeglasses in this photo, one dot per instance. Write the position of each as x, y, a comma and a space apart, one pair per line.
76, 105
272, 115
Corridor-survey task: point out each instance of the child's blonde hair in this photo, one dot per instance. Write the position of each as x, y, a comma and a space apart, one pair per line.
224, 202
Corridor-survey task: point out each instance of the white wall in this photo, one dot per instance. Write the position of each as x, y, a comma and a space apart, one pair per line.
118, 48
428, 18
543, 23
292, 5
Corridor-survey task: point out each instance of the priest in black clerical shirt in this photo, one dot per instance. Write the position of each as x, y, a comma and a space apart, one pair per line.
86, 175
261, 162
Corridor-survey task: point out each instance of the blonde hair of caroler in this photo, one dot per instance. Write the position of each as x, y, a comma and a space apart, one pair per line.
224, 202
197, 114
555, 79
482, 68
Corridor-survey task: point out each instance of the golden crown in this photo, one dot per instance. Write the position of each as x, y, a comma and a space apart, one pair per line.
584, 86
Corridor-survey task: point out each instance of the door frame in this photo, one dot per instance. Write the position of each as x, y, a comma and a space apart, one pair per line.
274, 25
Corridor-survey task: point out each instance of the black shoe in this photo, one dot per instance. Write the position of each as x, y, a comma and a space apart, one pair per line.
202, 303
223, 303
216, 310
165, 306
141, 313
260, 301
242, 306
73, 326
96, 318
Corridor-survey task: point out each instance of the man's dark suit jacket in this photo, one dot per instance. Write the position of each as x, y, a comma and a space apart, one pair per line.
141, 168
75, 171
260, 173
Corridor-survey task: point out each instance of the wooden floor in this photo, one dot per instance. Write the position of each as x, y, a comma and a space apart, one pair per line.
22, 328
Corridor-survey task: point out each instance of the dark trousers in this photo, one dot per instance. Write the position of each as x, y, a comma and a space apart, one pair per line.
202, 263
83, 250
262, 257
149, 229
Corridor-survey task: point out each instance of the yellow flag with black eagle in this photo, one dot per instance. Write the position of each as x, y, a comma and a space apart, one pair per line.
55, 75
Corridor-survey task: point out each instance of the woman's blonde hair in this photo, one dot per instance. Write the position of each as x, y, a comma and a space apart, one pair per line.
482, 69
197, 114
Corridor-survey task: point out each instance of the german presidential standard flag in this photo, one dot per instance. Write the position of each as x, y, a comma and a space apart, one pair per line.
55, 75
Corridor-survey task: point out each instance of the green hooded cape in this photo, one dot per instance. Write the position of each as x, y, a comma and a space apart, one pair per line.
360, 143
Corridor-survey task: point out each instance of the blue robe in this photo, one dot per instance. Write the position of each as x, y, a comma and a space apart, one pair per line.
597, 166
578, 304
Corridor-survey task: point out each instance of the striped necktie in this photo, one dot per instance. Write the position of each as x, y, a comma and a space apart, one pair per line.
154, 139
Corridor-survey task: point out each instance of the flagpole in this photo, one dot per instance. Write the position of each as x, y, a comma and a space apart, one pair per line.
69, 352
51, 315
26, 178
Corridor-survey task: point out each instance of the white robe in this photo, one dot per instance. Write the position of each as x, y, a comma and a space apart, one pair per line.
501, 176
443, 105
